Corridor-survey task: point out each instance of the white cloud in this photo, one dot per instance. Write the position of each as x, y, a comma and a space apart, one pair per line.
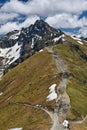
14, 6
66, 21
59, 13
30, 20
45, 7
83, 32
10, 26
5, 17
52, 7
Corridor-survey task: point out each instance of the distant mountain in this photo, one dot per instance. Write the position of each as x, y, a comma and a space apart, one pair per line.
17, 45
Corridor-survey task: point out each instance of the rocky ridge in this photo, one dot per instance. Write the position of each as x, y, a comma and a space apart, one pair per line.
18, 45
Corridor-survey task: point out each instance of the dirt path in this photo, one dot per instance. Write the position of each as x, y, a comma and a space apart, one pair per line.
80, 121
62, 101
53, 115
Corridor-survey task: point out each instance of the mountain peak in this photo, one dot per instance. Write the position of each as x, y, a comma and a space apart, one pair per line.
17, 45
41, 23
42, 28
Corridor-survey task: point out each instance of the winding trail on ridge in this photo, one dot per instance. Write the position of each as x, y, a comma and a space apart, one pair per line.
62, 101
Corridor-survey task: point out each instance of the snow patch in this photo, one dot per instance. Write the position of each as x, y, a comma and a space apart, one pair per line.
1, 74
63, 39
15, 36
1, 93
53, 94
36, 28
37, 36
80, 42
51, 34
76, 38
52, 88
32, 45
58, 38
41, 50
11, 53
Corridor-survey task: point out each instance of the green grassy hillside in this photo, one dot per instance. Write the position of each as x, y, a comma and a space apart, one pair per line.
28, 82
71, 53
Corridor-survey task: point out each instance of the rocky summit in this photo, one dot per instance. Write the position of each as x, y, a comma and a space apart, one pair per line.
18, 45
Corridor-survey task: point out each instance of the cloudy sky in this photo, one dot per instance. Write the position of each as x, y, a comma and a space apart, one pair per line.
68, 15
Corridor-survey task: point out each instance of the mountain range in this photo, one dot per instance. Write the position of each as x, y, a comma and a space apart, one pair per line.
42, 71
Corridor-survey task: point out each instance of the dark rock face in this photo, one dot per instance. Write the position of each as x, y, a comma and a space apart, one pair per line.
30, 40
85, 39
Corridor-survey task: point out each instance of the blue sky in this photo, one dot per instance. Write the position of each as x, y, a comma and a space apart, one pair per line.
67, 15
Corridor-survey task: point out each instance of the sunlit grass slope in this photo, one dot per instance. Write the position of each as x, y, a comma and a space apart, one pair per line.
28, 82
77, 82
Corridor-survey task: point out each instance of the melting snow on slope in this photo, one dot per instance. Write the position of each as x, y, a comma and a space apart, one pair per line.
1, 93
32, 45
76, 38
80, 42
1, 74
38, 36
15, 36
53, 94
41, 50
16, 129
58, 38
11, 53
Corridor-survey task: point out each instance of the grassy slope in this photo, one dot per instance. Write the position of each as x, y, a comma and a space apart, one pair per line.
28, 82
82, 126
77, 84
